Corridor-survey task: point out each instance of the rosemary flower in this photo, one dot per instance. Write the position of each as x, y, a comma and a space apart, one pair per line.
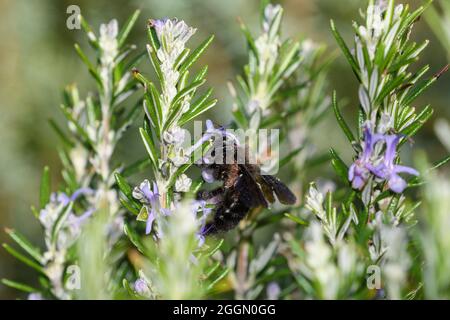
359, 171
388, 170
152, 206
382, 166
273, 291
201, 206
141, 287
72, 225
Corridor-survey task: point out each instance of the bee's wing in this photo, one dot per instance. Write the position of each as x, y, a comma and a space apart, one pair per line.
266, 188
284, 195
249, 189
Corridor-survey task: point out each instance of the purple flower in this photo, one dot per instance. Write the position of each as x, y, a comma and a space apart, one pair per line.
80, 192
64, 199
47, 215
176, 32
35, 296
219, 134
273, 291
158, 24
60, 198
208, 175
359, 171
201, 206
388, 170
75, 221
210, 131
150, 199
141, 287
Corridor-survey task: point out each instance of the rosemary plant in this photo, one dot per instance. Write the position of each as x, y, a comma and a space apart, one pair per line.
273, 75
283, 87
107, 237
95, 125
158, 204
375, 214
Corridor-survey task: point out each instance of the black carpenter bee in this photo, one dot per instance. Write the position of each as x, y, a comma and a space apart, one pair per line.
244, 187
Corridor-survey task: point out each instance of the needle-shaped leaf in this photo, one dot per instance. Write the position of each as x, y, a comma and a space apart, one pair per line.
130, 206
421, 87
150, 147
134, 238
136, 167
64, 138
296, 219
210, 271
180, 170
290, 57
125, 31
250, 40
45, 189
23, 259
19, 286
200, 100
339, 165
188, 116
240, 117
188, 90
420, 120
340, 119
440, 163
218, 279
290, 156
155, 63
345, 50
124, 187
89, 65
193, 57
216, 248
153, 37
84, 137
132, 63
150, 111
93, 41
59, 223
26, 245
201, 74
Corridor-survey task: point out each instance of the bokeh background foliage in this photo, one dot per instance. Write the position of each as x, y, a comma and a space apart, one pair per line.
37, 59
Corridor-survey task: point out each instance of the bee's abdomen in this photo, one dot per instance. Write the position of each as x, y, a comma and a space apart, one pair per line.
227, 217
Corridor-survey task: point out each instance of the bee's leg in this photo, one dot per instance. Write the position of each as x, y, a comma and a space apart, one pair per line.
215, 194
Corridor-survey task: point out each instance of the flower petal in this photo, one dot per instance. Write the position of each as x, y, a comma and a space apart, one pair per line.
396, 183
391, 146
150, 219
155, 189
405, 169
380, 171
80, 192
358, 182
208, 175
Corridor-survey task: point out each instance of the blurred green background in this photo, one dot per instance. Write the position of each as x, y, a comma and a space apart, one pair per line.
37, 60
